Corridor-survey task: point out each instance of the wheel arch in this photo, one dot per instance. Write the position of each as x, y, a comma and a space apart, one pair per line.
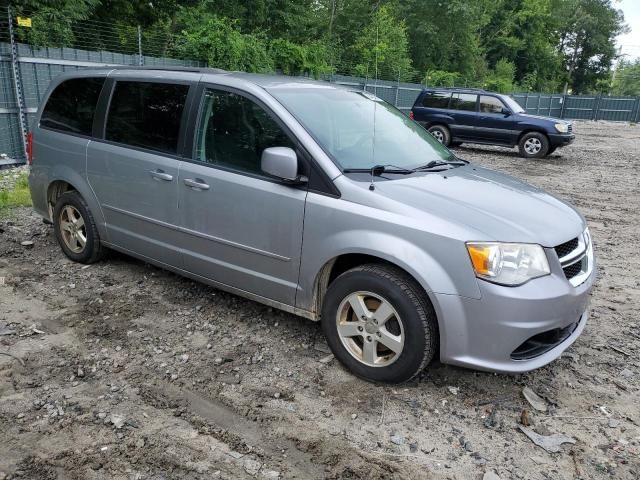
532, 130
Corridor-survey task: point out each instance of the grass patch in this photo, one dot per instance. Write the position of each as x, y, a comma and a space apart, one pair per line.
18, 196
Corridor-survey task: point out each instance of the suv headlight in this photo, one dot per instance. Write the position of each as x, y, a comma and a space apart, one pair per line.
562, 127
509, 264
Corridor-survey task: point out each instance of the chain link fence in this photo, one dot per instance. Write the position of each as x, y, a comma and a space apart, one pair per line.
26, 71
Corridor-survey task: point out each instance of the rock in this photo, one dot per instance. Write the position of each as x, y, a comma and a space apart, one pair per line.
184, 357
252, 467
235, 454
354, 416
453, 390
276, 395
613, 423
80, 372
218, 361
397, 439
490, 475
534, 399
626, 373
270, 474
551, 443
26, 243
326, 359
117, 421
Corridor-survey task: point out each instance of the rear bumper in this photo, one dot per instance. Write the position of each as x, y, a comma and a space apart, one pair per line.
561, 139
513, 329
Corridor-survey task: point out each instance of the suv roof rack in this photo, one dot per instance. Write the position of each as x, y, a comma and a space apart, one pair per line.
465, 89
168, 68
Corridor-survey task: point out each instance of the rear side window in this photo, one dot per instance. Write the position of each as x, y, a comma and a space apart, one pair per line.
72, 106
146, 115
464, 101
436, 100
490, 104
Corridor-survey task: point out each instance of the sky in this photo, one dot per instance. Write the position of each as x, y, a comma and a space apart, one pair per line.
630, 42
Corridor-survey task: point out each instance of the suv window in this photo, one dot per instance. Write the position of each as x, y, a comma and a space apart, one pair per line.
464, 101
72, 105
436, 100
146, 114
490, 104
233, 131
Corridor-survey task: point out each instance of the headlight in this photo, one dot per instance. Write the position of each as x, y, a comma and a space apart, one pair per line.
508, 263
562, 127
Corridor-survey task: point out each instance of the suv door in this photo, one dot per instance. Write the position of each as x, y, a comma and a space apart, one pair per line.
494, 125
240, 227
133, 169
462, 109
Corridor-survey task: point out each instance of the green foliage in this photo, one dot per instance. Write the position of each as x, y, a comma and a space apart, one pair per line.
501, 78
18, 196
626, 79
383, 47
442, 78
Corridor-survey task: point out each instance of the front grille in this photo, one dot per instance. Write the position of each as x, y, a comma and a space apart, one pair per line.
570, 128
543, 342
572, 270
567, 247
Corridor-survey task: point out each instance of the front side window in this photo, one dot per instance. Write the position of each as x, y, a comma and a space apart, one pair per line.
146, 115
436, 100
233, 131
72, 106
358, 129
464, 101
490, 104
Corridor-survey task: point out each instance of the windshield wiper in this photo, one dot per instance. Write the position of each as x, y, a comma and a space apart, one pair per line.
378, 170
437, 164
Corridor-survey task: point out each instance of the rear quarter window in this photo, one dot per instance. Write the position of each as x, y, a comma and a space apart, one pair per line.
72, 105
436, 100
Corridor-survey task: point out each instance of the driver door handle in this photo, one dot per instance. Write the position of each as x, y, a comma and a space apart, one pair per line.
196, 184
161, 175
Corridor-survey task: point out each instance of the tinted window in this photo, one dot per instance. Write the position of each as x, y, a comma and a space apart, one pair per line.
234, 131
490, 104
436, 100
464, 101
145, 114
72, 105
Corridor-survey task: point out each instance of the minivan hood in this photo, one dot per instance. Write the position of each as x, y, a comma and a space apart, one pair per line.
496, 206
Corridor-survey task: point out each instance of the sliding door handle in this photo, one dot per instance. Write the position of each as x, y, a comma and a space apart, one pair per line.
161, 175
196, 184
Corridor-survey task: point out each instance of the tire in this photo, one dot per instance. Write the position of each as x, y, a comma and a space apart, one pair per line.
75, 229
533, 145
440, 133
411, 327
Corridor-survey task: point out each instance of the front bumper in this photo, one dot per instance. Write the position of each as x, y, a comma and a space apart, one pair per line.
506, 329
561, 139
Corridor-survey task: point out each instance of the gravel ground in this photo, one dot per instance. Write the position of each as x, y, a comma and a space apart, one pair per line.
121, 370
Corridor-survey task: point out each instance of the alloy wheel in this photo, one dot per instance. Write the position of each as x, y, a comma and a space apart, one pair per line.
532, 146
370, 329
72, 227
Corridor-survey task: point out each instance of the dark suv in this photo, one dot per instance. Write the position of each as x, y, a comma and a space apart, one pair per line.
455, 116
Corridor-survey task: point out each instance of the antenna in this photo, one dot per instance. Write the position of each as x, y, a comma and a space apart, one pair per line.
375, 108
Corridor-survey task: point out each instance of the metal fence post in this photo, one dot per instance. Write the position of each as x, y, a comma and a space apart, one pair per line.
397, 89
564, 102
637, 117
140, 57
595, 108
17, 85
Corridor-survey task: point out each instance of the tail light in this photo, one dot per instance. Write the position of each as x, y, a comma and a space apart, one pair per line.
411, 115
29, 148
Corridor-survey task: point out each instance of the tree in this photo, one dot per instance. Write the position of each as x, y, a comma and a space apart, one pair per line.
626, 78
382, 48
587, 41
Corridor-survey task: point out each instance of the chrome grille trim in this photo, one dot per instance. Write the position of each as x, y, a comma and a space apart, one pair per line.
582, 254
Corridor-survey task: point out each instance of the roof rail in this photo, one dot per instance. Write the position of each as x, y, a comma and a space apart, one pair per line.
168, 68
466, 89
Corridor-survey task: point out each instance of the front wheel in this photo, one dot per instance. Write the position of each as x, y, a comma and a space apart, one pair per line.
534, 145
380, 324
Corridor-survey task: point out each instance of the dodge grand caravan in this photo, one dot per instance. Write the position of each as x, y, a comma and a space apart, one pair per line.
319, 200
456, 116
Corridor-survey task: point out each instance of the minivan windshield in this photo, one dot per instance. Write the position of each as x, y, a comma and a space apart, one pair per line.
512, 104
360, 130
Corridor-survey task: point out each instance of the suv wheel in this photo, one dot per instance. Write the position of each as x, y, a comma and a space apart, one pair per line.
534, 145
379, 323
75, 229
440, 133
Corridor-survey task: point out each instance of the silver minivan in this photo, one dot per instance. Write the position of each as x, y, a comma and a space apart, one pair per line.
319, 200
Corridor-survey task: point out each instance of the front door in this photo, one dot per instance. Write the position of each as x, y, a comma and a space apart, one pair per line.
240, 227
494, 125
134, 169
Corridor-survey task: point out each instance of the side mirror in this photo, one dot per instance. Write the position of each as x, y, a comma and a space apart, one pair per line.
505, 111
280, 162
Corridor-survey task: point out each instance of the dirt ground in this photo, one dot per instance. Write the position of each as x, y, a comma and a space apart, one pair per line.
122, 370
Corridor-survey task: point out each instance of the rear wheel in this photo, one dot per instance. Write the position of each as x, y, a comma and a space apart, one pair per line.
533, 145
379, 323
75, 229
441, 133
